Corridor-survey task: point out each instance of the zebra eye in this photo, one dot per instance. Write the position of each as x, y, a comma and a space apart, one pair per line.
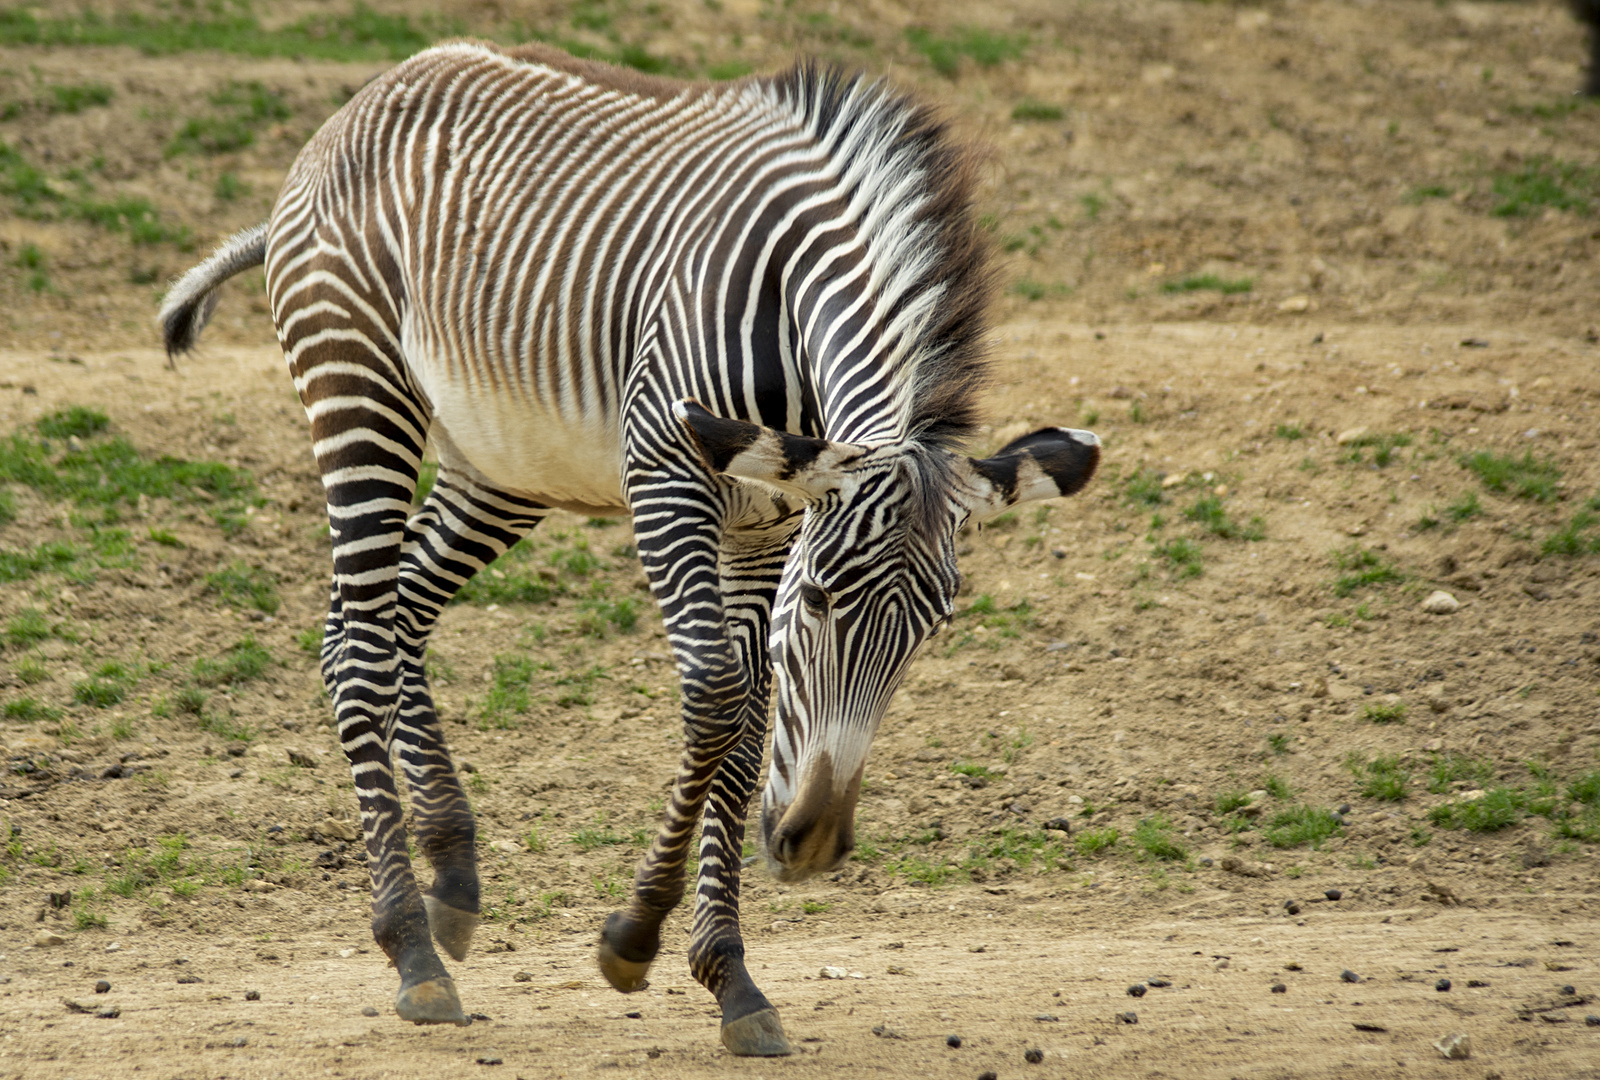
815, 600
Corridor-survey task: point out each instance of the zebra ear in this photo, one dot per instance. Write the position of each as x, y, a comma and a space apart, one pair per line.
809, 468
1048, 463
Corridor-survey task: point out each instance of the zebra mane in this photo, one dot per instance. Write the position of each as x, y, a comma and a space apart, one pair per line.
933, 272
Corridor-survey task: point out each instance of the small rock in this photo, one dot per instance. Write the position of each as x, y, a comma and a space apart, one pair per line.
1443, 986
102, 987
1129, 1017
1345, 438
1222, 964
1476, 984
953, 1041
256, 885
302, 759
634, 1015
1279, 988
1033, 1055
109, 1013
115, 946
1047, 1018
1592, 1020
884, 1031
1440, 602
1160, 984
1362, 1025
1296, 304
988, 1075
1235, 865
1333, 894
1136, 990
833, 973
46, 938
1349, 976
1455, 1046
505, 847
368, 1010
334, 829
238, 1040
1292, 907
522, 976
1059, 824
490, 1061
252, 995
1207, 860
185, 980
1568, 991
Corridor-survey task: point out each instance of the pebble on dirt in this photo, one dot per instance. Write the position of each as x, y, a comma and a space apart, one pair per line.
489, 1061
522, 976
1440, 602
1292, 907
1442, 985
1136, 990
102, 987
45, 938
110, 1013
953, 1041
252, 995
1333, 894
987, 1076
1568, 990
1592, 1020
1455, 1046
1279, 988
368, 1010
1129, 1017
1033, 1055
1349, 976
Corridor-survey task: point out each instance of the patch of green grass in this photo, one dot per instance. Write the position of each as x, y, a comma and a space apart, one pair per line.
191, 699
1464, 508
76, 420
1585, 789
1429, 191
1232, 799
983, 47
1029, 289
228, 188
241, 109
1155, 838
1094, 841
241, 585
1028, 110
597, 616
28, 627
76, 97
1209, 513
225, 726
1182, 555
1279, 743
1382, 778
1526, 477
247, 659
310, 640
1574, 538
1277, 786
969, 768
1497, 808
727, 70
1291, 432
1208, 282
1383, 445
923, 870
579, 686
109, 685
505, 582
1544, 182
30, 710
1362, 569
598, 836
1384, 713
1021, 845
815, 907
31, 671
508, 693
1301, 825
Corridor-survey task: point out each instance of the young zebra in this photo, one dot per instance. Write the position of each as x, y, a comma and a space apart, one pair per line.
749, 315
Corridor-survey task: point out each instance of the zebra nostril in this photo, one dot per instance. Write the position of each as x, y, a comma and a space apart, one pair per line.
787, 848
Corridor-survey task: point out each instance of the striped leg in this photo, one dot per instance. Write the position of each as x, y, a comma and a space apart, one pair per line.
460, 529
722, 660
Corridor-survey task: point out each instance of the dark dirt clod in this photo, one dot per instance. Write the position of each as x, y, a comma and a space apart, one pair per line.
1442, 985
1349, 976
489, 1061
522, 976
635, 1015
1291, 907
102, 987
1159, 984
252, 995
109, 1014
987, 1076
1279, 988
1033, 1055
1136, 990
186, 979
1592, 1020
1333, 894
485, 1016
1568, 990
1344, 808
1476, 984
1060, 824
1128, 1018
953, 1041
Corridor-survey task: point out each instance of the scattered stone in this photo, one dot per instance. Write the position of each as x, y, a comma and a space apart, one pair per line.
1345, 438
115, 946
953, 1041
1333, 894
1362, 1025
1592, 1020
1129, 1017
1136, 990
302, 759
1279, 988
634, 1015
334, 829
490, 1061
252, 995
1292, 907
368, 1010
1440, 602
989, 1075
238, 1040
1059, 824
1033, 1055
73, 1006
1295, 304
833, 973
505, 847
1222, 964
1349, 976
1476, 984
1443, 986
884, 1031
1159, 984
47, 938
1206, 860
109, 1013
522, 976
102, 987
1235, 865
186, 979
1455, 1046
1046, 1018
1568, 990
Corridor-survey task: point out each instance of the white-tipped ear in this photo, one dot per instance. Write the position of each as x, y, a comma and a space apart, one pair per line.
806, 467
1044, 465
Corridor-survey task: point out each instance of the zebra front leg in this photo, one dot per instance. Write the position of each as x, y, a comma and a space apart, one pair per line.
750, 1023
461, 528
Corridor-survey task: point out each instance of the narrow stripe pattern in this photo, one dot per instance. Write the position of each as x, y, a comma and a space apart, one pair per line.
531, 262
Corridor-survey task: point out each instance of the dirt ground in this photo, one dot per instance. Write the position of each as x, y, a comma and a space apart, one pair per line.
1194, 663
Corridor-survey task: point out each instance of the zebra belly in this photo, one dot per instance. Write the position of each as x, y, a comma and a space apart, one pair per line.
529, 449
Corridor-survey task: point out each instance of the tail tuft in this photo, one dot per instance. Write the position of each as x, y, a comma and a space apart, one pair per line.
193, 297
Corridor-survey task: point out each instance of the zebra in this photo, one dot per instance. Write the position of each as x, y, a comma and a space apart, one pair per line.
751, 315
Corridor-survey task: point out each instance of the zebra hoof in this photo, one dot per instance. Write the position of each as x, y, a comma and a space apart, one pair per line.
431, 1002
757, 1034
452, 928
625, 976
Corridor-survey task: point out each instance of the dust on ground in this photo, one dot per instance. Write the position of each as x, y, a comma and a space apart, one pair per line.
1193, 663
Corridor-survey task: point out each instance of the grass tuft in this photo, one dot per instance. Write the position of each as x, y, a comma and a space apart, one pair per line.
246, 660
1209, 282
1302, 825
1526, 477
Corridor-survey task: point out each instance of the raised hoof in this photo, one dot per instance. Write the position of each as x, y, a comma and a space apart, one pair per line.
431, 1002
626, 976
760, 1034
452, 928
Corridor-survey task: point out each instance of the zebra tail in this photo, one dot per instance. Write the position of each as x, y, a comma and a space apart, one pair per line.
193, 297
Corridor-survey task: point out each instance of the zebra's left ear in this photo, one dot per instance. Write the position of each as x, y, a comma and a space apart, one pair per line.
806, 467
1048, 463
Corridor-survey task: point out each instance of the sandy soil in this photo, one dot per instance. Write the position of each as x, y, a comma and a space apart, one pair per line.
1095, 678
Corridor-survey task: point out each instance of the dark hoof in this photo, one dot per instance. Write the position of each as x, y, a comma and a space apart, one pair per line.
760, 1034
627, 976
452, 928
431, 1002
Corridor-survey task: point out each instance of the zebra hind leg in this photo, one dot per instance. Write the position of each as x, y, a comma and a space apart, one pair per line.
460, 529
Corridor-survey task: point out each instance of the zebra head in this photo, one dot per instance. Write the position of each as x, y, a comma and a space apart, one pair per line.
871, 576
